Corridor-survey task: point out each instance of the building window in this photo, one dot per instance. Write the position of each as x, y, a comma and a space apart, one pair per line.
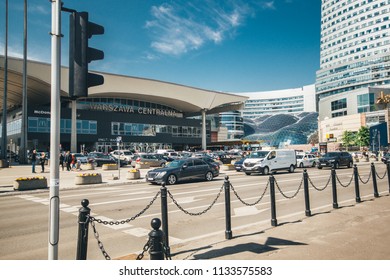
339, 104
42, 125
366, 102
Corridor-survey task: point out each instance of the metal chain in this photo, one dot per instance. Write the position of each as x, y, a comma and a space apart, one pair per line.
100, 244
347, 185
199, 213
368, 179
111, 223
250, 204
289, 197
145, 249
319, 189
384, 175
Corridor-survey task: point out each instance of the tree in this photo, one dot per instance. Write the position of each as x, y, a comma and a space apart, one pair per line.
363, 137
348, 138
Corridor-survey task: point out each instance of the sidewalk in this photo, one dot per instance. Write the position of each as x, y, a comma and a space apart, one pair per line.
354, 232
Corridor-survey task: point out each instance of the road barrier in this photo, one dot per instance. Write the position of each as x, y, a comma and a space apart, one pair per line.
157, 245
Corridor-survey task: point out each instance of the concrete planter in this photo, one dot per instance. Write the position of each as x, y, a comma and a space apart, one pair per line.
89, 166
142, 165
226, 167
30, 184
110, 167
133, 175
4, 163
88, 179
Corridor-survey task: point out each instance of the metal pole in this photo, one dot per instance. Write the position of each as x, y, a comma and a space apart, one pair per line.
228, 219
204, 134
374, 183
306, 190
388, 174
156, 237
334, 189
164, 217
274, 221
73, 134
55, 130
23, 140
82, 240
356, 177
3, 154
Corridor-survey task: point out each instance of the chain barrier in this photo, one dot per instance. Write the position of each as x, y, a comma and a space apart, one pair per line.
111, 223
92, 220
198, 213
319, 189
144, 250
286, 196
249, 204
384, 175
347, 185
368, 179
97, 237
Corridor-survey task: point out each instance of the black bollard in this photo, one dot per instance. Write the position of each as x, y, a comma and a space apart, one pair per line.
164, 216
334, 189
228, 218
82, 240
274, 221
306, 190
356, 177
388, 174
156, 237
373, 173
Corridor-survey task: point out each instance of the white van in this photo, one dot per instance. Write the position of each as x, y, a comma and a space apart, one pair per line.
265, 162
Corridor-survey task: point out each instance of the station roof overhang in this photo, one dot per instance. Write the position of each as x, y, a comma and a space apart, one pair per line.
186, 99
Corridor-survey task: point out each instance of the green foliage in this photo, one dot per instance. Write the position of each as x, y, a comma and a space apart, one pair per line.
348, 138
363, 137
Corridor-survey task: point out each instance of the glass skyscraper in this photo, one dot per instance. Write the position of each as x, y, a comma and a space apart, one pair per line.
355, 40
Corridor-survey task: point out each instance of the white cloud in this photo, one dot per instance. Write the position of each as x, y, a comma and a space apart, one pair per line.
177, 29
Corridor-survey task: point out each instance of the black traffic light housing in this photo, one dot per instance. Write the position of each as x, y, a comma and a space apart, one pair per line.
80, 55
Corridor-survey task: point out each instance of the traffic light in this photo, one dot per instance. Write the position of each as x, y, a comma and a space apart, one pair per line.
80, 55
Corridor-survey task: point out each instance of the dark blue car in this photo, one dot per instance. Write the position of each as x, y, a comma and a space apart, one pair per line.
182, 170
238, 164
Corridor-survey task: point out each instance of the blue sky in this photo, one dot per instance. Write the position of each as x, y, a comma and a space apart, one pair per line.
230, 45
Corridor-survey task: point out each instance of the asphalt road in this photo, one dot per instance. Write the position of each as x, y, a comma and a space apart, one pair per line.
196, 212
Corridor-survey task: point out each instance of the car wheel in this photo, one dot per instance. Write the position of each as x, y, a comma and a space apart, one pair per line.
291, 169
247, 173
314, 164
350, 164
209, 176
301, 165
162, 164
336, 165
171, 180
266, 170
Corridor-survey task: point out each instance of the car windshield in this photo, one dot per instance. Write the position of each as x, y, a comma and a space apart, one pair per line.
299, 156
127, 153
258, 154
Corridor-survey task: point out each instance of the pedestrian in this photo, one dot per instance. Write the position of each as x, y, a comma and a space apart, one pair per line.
33, 160
62, 158
42, 161
74, 161
68, 160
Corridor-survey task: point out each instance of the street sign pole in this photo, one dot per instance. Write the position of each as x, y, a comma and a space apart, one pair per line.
55, 114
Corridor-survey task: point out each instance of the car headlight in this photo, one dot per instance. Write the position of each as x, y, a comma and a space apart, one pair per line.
160, 174
331, 160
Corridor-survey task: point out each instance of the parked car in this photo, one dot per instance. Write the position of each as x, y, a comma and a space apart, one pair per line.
125, 155
238, 164
80, 157
182, 170
335, 159
100, 159
306, 160
151, 159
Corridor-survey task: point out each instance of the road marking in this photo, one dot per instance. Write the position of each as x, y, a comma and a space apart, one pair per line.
247, 211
